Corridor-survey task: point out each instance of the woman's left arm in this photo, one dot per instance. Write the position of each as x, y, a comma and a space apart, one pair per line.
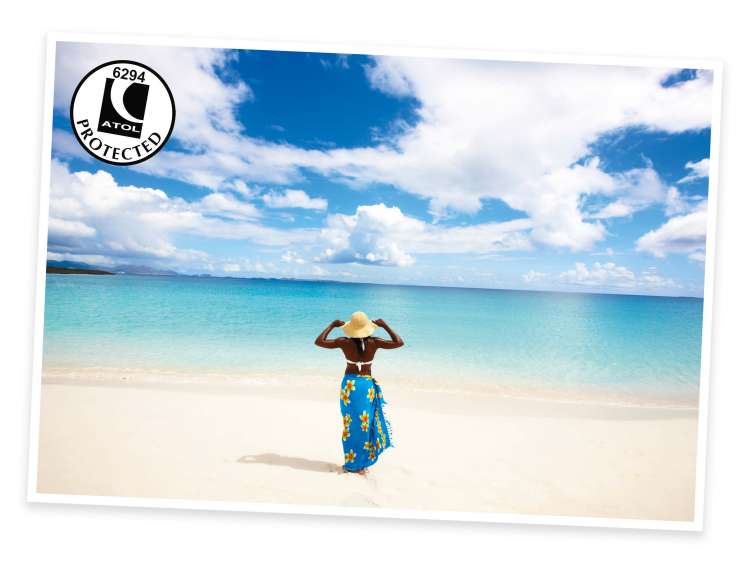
394, 342
322, 339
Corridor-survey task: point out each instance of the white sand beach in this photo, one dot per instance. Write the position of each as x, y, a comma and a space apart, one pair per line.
278, 441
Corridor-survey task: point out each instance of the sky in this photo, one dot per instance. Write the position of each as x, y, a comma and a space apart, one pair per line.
423, 171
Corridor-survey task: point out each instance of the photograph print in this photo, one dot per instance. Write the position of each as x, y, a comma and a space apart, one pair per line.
392, 284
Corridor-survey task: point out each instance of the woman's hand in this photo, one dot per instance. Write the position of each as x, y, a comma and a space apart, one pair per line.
337, 323
379, 322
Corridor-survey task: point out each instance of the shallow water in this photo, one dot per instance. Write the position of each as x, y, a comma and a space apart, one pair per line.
540, 343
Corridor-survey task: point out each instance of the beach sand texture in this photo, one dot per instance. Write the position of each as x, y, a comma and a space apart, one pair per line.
279, 442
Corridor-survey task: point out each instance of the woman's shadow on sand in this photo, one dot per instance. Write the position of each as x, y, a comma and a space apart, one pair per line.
293, 462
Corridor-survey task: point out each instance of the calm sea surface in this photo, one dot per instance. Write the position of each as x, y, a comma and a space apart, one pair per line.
626, 346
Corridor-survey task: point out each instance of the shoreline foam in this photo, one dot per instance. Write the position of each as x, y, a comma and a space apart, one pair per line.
600, 397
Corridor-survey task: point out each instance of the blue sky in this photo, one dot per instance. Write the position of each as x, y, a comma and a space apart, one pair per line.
391, 170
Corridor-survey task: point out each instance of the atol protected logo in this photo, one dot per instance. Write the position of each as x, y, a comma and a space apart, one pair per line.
122, 112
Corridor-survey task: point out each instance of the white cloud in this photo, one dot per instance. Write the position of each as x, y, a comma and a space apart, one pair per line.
389, 77
62, 229
682, 234
384, 236
534, 276
294, 198
650, 279
340, 61
636, 189
556, 211
91, 215
241, 188
607, 275
226, 205
606, 252
240, 267
484, 238
640, 188
614, 209
675, 202
697, 170
291, 256
370, 236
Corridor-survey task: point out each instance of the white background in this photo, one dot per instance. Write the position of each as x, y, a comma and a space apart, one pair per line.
683, 29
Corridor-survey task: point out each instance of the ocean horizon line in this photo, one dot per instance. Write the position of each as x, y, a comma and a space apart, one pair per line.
381, 284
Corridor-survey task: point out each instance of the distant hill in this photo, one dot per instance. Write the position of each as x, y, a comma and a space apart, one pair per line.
131, 269
68, 264
89, 271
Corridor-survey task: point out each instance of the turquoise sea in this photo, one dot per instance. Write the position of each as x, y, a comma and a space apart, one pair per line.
571, 344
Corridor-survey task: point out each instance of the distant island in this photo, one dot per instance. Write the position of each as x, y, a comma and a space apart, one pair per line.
70, 267
60, 270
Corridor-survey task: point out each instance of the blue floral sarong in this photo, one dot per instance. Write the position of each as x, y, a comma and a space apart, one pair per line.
366, 432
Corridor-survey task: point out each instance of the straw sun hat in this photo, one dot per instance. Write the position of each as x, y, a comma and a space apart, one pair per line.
360, 326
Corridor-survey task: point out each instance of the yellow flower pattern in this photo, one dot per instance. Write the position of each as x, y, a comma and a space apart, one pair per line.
371, 449
350, 456
364, 419
346, 391
347, 421
371, 394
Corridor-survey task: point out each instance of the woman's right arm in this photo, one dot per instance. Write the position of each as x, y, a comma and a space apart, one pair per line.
322, 339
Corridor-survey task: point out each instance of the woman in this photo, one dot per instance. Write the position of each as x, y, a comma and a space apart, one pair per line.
366, 432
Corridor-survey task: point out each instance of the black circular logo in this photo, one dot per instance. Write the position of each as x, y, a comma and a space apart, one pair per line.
122, 112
